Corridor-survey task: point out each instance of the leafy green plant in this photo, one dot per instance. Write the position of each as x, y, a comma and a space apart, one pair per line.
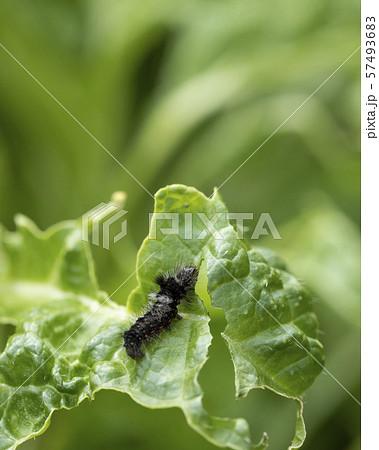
67, 343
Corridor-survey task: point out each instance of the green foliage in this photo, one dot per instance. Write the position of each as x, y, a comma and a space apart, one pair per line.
185, 92
67, 343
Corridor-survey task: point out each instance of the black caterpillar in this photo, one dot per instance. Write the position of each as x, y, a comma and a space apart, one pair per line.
173, 288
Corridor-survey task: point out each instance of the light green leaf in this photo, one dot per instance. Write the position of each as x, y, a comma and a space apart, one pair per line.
272, 329
332, 244
38, 267
67, 343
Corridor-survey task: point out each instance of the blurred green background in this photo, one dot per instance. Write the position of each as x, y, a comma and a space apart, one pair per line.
184, 92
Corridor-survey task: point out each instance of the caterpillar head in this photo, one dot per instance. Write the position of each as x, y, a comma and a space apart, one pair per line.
186, 277
176, 285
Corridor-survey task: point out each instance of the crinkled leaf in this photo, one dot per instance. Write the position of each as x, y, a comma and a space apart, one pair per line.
66, 347
38, 267
271, 327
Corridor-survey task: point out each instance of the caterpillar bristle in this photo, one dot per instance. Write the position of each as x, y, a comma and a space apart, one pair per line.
162, 310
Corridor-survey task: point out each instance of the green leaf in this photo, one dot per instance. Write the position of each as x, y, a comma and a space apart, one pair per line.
67, 344
271, 327
38, 267
333, 255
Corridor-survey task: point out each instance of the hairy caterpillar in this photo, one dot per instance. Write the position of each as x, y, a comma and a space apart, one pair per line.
161, 312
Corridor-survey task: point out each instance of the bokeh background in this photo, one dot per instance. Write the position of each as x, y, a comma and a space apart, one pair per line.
184, 92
